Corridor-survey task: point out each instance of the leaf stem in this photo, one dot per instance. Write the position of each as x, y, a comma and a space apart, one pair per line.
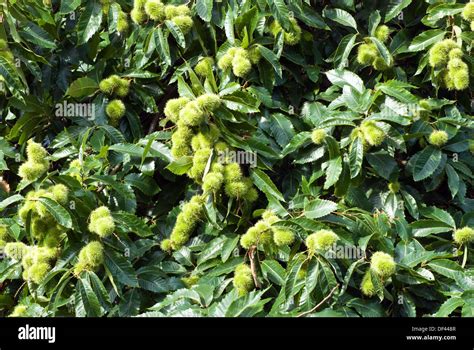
320, 303
464, 259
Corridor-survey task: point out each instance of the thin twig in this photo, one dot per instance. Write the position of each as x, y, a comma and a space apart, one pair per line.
112, 172
321, 303
18, 291
169, 92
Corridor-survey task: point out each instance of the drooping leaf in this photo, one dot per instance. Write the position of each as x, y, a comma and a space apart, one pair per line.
90, 21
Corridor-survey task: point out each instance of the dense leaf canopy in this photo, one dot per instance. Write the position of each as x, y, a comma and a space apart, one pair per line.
236, 158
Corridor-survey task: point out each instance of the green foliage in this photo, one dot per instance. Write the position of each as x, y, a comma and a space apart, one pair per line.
236, 158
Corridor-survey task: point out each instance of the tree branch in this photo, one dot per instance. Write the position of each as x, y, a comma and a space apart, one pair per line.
253, 267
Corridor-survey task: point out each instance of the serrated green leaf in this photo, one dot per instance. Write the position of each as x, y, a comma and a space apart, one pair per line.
271, 58
89, 22
340, 16
265, 184
177, 33
292, 275
446, 268
356, 156
121, 268
38, 36
60, 214
162, 46
281, 13
344, 77
317, 208
448, 307
89, 299
131, 223
82, 87
394, 8
204, 9
272, 270
426, 39
10, 200
426, 163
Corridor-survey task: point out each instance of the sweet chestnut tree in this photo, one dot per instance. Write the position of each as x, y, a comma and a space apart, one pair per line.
236, 158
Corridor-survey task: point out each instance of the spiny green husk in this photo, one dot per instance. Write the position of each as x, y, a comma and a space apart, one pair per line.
36, 164
382, 264
243, 280
101, 222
